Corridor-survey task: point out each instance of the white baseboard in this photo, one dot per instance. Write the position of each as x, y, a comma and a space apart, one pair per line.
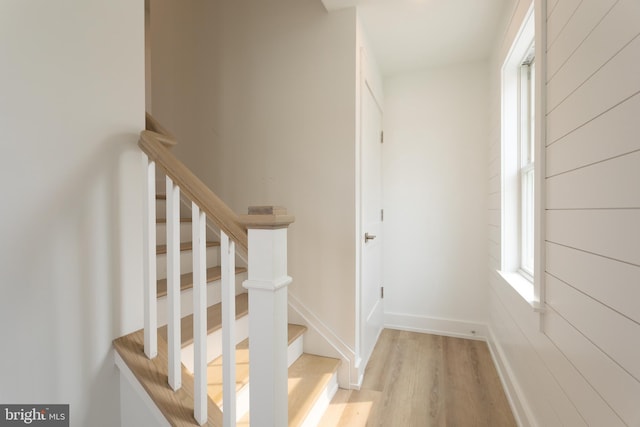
436, 326
521, 411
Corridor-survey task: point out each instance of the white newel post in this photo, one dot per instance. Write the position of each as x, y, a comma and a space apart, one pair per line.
267, 285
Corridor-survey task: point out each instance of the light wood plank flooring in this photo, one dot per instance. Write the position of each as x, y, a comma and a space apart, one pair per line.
422, 380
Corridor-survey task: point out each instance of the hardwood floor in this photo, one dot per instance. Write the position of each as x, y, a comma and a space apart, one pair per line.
422, 380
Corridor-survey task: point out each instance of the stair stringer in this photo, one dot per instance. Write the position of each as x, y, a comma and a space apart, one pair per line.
136, 406
321, 340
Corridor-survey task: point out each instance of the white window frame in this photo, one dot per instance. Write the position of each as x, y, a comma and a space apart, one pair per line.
520, 160
526, 175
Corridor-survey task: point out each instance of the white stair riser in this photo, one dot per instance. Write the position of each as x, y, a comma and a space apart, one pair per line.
242, 402
322, 403
186, 298
214, 343
293, 353
214, 350
295, 350
185, 233
186, 261
161, 209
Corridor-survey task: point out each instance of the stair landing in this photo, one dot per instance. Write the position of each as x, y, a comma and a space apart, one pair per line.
308, 378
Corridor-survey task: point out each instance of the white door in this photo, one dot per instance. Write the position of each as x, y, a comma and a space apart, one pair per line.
371, 313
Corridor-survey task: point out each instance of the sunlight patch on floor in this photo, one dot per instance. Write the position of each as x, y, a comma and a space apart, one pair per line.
350, 408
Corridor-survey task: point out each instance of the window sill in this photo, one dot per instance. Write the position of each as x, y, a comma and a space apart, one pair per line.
524, 287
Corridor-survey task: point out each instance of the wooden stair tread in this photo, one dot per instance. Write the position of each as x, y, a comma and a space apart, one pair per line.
308, 376
177, 407
184, 246
214, 319
214, 369
186, 280
294, 331
164, 220
161, 197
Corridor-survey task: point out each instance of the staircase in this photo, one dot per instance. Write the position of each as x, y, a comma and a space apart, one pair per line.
191, 364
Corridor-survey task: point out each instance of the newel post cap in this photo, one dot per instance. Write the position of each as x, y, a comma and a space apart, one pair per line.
267, 217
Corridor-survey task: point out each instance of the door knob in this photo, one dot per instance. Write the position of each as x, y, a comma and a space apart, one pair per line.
368, 237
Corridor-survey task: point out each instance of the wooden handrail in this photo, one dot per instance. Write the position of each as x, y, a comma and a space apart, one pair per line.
266, 285
155, 126
153, 144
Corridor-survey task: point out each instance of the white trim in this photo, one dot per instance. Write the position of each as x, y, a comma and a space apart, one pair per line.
126, 374
332, 5
267, 285
510, 141
348, 371
532, 27
521, 410
524, 287
539, 223
435, 325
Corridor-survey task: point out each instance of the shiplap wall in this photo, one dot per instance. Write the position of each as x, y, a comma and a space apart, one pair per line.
584, 368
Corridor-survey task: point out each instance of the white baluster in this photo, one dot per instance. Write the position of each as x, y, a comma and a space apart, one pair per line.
199, 314
173, 284
149, 262
228, 283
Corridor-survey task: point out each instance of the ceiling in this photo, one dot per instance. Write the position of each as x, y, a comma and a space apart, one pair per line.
413, 34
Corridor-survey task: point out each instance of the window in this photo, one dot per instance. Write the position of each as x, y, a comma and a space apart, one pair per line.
518, 162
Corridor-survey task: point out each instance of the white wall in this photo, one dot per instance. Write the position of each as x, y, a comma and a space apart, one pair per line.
584, 367
72, 85
262, 99
436, 136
